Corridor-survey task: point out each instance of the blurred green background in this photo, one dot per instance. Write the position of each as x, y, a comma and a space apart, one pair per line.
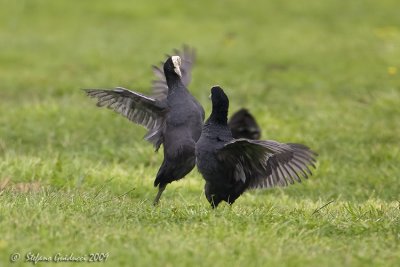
75, 178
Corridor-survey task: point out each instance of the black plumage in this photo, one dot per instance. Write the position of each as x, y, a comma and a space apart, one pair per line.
241, 123
175, 121
231, 166
244, 125
160, 86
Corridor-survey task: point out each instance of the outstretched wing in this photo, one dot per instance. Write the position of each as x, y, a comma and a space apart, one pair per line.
138, 108
264, 164
159, 85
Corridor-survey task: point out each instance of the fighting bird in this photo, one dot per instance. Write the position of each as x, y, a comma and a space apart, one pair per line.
232, 166
173, 118
241, 123
244, 125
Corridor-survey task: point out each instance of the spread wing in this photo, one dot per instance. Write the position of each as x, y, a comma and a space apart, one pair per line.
159, 85
264, 164
136, 107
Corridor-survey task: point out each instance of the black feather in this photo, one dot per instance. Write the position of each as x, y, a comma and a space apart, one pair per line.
244, 125
173, 119
231, 166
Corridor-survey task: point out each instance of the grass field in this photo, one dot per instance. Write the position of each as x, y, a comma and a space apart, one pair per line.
78, 179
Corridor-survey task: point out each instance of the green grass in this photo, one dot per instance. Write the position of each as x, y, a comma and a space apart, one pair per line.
322, 73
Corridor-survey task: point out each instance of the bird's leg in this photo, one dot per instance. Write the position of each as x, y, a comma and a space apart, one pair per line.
160, 191
214, 202
213, 206
231, 200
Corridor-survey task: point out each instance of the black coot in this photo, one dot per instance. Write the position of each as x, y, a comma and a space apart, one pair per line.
174, 120
231, 166
244, 125
241, 123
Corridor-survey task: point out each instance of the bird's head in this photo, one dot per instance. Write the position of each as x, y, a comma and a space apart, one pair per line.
220, 105
218, 97
173, 66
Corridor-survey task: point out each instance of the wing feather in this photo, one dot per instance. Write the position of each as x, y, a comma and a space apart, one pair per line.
143, 110
267, 163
